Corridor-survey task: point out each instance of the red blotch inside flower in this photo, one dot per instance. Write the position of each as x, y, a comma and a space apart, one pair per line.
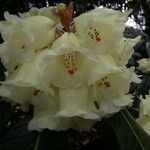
107, 84
98, 39
71, 71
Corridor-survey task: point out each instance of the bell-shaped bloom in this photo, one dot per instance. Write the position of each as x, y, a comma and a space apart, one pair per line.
124, 52
22, 37
34, 29
110, 93
101, 29
8, 62
68, 64
77, 79
29, 75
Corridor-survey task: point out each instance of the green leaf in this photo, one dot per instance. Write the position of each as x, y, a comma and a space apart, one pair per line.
129, 133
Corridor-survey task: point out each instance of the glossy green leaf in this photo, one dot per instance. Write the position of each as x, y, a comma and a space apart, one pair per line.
129, 133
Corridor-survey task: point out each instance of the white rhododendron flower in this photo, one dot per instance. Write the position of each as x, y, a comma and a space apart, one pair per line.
73, 77
101, 29
23, 37
29, 75
49, 12
124, 52
144, 65
144, 119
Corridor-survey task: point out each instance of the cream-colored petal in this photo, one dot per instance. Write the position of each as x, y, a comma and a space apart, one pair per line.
68, 64
124, 52
41, 100
144, 121
109, 93
44, 118
11, 18
16, 94
21, 94
73, 102
49, 12
41, 29
29, 75
9, 63
27, 35
64, 73
119, 79
108, 106
105, 65
122, 100
32, 12
5, 92
144, 65
98, 28
145, 106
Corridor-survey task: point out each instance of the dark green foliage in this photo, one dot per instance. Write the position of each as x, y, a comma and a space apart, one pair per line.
129, 133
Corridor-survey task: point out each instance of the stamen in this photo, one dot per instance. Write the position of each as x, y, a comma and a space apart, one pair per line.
94, 34
70, 62
104, 82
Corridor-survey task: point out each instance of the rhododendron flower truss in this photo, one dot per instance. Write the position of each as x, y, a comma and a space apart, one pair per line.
74, 78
